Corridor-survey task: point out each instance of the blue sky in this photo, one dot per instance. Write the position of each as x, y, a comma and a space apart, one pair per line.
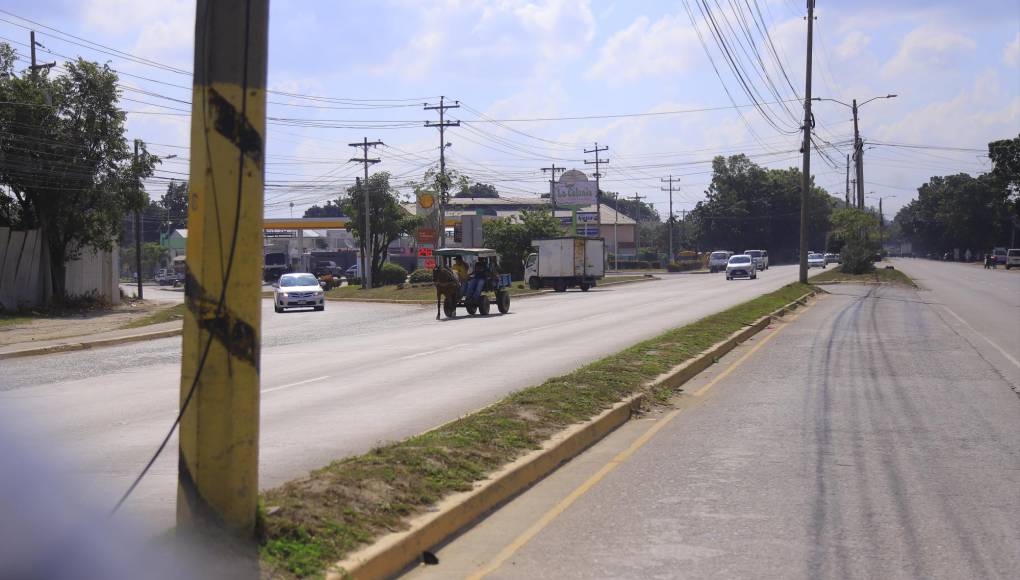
955, 67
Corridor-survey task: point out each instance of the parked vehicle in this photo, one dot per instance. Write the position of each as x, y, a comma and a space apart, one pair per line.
831, 258
274, 266
816, 261
760, 257
999, 255
741, 265
561, 263
353, 272
717, 260
169, 277
299, 290
1013, 258
450, 290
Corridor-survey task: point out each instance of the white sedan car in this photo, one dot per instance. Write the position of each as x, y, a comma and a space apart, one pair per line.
297, 291
741, 265
816, 261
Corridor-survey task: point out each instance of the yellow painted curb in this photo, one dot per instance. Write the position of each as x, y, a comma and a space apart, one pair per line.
395, 552
85, 345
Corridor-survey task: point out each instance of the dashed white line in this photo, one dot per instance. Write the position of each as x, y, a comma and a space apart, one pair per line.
436, 351
297, 384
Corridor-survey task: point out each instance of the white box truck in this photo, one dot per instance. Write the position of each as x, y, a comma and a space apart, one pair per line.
561, 263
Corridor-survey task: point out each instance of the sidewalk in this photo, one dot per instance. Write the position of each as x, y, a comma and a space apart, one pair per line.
111, 337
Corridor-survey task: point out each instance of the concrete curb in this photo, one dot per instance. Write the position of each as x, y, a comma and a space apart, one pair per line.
432, 302
88, 344
394, 552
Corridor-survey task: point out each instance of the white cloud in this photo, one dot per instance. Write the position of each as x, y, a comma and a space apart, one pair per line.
925, 48
853, 44
1011, 55
165, 30
647, 49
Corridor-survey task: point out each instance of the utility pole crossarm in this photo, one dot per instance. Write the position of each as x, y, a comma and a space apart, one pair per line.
598, 176
444, 187
552, 182
366, 271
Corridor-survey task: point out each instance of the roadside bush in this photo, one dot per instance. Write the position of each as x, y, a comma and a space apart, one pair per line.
391, 274
857, 257
420, 276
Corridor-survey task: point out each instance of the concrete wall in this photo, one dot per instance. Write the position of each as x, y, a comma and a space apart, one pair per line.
25, 273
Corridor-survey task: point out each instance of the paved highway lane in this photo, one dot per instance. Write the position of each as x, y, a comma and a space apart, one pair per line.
983, 304
867, 439
339, 382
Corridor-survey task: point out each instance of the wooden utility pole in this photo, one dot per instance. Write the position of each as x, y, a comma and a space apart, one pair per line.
637, 224
553, 170
444, 186
598, 185
806, 177
848, 180
217, 490
366, 272
858, 159
670, 220
138, 230
34, 66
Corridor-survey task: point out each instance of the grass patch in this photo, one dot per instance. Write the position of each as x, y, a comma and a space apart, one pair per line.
165, 315
878, 276
13, 319
319, 519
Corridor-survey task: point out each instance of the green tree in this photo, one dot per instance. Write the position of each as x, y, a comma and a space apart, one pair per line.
434, 181
388, 219
67, 164
174, 204
329, 209
1005, 156
511, 237
856, 232
478, 190
957, 212
154, 257
749, 206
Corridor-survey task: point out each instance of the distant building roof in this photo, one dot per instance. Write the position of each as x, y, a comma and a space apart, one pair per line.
572, 176
465, 201
183, 232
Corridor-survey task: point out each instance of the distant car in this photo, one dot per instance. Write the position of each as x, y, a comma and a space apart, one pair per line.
741, 265
168, 277
298, 291
717, 260
1013, 258
353, 272
839, 258
816, 261
760, 257
999, 255
831, 258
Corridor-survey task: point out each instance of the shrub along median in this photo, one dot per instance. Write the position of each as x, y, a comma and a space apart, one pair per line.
876, 276
317, 520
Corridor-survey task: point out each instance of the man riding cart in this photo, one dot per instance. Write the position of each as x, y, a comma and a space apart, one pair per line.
483, 286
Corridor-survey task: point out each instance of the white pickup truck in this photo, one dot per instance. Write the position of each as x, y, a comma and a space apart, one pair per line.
561, 263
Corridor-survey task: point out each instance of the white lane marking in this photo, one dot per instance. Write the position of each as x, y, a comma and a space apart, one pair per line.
988, 340
299, 383
436, 351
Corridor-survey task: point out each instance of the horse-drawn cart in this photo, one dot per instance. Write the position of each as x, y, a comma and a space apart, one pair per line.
450, 290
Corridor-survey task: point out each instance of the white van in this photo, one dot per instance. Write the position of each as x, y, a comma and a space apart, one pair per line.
1013, 258
717, 260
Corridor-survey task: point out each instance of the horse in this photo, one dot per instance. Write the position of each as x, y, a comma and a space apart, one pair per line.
447, 286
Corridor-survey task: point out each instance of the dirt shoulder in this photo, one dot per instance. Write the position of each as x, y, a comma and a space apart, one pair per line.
42, 325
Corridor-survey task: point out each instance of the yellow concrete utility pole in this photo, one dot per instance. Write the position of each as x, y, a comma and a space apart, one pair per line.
217, 489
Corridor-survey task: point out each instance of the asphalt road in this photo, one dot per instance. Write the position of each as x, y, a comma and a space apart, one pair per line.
866, 439
339, 382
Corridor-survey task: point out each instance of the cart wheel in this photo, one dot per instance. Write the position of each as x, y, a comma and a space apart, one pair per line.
560, 285
503, 303
471, 308
483, 305
585, 286
450, 308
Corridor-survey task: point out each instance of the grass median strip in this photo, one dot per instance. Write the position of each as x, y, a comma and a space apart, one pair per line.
317, 520
879, 275
175, 312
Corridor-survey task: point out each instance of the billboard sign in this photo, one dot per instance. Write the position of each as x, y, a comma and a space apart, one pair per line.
576, 194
